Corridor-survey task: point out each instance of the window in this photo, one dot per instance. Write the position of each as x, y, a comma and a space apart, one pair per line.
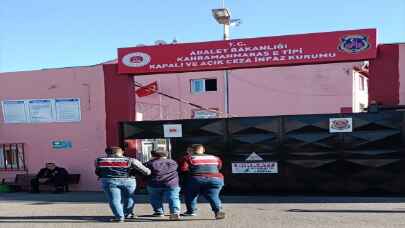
147, 145
362, 83
197, 86
210, 84
12, 156
362, 107
203, 85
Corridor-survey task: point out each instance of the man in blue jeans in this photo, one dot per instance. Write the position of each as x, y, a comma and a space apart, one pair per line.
119, 187
163, 181
203, 177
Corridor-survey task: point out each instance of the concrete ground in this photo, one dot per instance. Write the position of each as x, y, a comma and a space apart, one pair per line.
89, 210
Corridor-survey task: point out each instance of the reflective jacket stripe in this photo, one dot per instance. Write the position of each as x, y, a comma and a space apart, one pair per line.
113, 164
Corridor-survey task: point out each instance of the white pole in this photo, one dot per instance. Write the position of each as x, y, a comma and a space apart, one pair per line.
226, 77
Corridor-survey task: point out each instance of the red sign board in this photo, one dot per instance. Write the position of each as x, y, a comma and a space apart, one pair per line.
310, 48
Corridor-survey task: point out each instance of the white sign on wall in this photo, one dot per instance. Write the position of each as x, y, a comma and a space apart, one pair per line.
340, 125
204, 114
14, 111
172, 130
68, 110
40, 110
255, 167
138, 116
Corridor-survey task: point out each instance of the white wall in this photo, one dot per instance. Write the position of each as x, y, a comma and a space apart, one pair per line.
360, 92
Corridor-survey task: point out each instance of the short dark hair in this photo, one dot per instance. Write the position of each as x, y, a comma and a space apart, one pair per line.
159, 153
197, 146
112, 149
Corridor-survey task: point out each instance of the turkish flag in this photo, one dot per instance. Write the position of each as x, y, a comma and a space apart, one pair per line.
147, 90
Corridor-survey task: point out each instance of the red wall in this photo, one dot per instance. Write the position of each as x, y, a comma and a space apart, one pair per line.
384, 75
119, 101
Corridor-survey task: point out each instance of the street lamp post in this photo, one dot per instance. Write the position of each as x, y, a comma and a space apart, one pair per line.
223, 16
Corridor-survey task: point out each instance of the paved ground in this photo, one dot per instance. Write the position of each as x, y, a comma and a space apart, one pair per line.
89, 210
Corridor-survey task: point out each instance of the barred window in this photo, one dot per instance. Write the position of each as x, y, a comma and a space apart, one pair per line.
12, 156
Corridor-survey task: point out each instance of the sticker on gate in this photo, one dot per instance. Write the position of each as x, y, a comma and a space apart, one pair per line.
255, 167
340, 125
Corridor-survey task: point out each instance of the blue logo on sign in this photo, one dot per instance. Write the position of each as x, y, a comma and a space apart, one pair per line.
354, 44
61, 144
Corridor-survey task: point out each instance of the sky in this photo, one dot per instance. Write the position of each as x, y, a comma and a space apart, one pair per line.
37, 34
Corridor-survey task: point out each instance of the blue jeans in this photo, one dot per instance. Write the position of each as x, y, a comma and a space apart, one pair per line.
120, 195
171, 194
209, 187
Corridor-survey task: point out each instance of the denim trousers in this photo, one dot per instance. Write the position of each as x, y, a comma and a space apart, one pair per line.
209, 187
170, 193
120, 195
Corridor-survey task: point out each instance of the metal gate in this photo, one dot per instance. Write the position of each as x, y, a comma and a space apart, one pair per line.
310, 159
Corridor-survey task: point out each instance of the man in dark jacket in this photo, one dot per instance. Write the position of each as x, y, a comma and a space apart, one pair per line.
118, 184
50, 175
163, 182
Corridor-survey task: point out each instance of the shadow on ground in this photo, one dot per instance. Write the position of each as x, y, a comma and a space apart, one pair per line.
344, 211
83, 219
98, 197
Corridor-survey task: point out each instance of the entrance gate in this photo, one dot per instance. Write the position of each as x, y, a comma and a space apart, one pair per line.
310, 159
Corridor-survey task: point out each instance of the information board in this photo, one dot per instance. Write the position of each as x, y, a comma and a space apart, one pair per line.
40, 110
67, 110
14, 111
45, 110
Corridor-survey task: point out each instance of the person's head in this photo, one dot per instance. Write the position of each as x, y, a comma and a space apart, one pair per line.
50, 165
159, 153
114, 150
189, 150
198, 149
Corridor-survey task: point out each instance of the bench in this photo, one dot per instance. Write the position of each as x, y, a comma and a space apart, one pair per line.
22, 182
